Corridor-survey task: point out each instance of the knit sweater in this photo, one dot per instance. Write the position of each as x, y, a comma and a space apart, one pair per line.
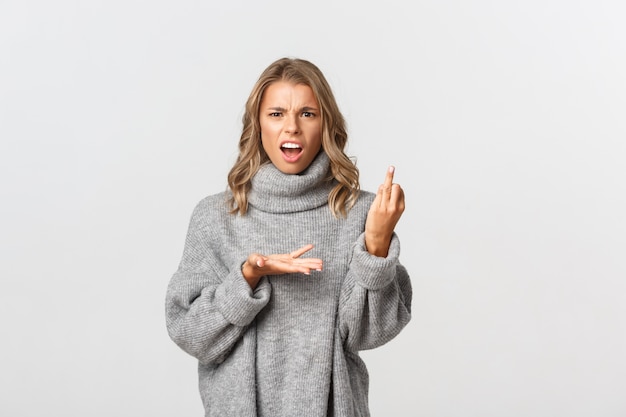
290, 347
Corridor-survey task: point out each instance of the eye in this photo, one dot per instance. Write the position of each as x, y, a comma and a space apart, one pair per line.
275, 114
308, 114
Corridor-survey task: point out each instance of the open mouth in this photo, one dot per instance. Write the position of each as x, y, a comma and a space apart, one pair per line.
291, 149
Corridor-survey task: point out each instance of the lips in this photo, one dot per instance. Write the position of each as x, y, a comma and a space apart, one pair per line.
291, 151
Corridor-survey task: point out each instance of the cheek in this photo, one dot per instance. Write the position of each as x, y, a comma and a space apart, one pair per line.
265, 137
268, 130
317, 135
265, 143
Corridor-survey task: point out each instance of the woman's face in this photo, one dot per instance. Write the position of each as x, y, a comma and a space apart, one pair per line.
291, 127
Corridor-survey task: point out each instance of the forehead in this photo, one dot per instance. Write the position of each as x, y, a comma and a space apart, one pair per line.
288, 92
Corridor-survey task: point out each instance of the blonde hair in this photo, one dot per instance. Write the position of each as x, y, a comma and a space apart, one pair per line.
334, 137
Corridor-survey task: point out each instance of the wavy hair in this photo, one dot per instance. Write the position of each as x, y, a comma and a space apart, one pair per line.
334, 137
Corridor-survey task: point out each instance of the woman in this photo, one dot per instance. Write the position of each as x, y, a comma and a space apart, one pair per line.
277, 333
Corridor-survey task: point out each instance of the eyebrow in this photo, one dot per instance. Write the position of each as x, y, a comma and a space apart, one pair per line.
282, 109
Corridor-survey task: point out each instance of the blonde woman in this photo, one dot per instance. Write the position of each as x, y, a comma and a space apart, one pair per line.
293, 270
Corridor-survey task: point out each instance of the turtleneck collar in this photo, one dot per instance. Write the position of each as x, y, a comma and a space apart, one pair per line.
276, 192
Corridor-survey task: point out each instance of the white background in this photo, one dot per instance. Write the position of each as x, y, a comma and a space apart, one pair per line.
505, 120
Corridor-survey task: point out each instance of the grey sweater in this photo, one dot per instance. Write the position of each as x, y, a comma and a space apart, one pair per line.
288, 348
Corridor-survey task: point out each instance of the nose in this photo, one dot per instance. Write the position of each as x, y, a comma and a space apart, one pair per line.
291, 124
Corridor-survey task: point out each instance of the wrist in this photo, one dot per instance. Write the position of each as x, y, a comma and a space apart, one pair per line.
377, 246
249, 274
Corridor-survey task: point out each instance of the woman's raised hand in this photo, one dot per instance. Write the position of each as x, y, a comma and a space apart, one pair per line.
384, 213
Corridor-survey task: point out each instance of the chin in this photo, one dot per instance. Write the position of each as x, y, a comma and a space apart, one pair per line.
291, 169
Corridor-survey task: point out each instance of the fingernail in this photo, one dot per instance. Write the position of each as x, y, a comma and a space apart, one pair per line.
391, 169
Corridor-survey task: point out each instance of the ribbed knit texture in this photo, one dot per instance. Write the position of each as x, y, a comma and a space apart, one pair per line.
290, 347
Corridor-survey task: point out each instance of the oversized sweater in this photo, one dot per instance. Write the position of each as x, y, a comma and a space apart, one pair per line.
290, 347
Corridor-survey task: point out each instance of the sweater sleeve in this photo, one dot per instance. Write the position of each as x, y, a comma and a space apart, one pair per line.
375, 301
208, 307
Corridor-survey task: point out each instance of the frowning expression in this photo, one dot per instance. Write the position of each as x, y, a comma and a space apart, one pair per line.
291, 126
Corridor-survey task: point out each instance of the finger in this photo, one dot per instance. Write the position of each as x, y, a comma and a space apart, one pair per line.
298, 252
397, 195
386, 186
389, 177
260, 261
311, 264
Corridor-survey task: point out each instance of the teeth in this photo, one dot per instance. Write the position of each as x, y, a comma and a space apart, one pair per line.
291, 146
